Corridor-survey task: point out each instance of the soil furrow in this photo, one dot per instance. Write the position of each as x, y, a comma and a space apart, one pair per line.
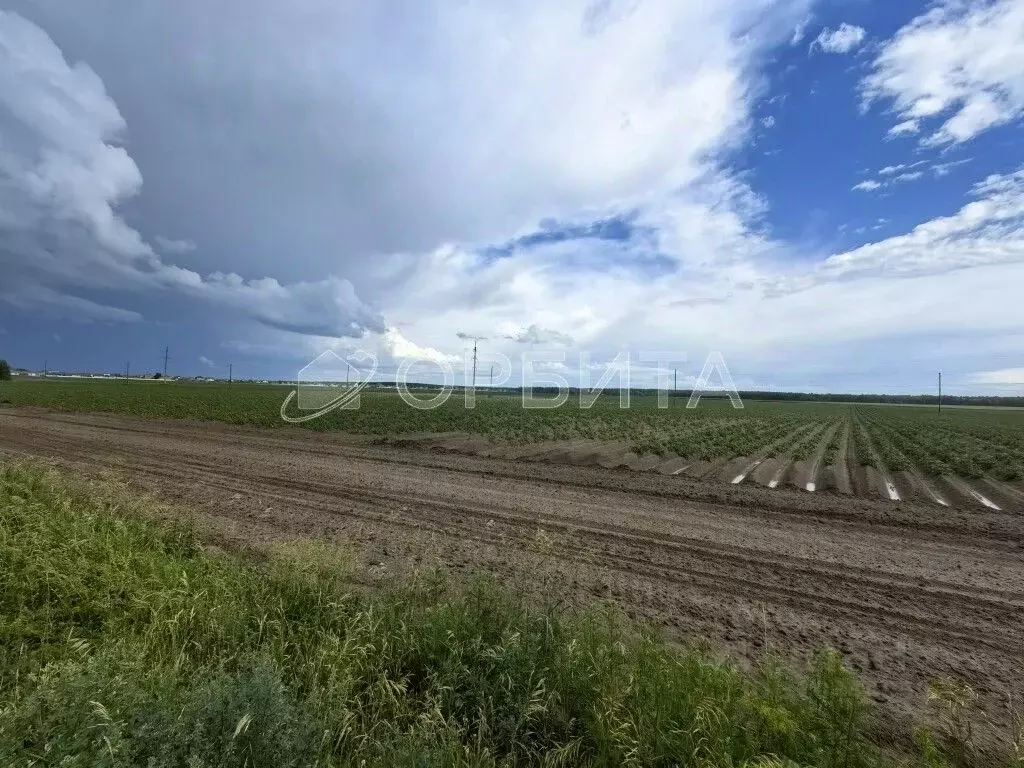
886, 483
811, 481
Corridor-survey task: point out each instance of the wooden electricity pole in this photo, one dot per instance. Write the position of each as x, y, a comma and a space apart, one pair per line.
940, 391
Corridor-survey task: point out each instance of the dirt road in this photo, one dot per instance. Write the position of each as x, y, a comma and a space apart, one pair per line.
906, 592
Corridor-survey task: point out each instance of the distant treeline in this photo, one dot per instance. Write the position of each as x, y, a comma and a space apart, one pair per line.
893, 399
810, 397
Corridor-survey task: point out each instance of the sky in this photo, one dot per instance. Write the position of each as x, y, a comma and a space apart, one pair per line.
829, 194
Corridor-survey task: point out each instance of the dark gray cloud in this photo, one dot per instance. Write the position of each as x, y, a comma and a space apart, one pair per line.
261, 132
65, 172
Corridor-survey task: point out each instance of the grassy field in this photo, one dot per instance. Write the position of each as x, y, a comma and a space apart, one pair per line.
968, 442
125, 642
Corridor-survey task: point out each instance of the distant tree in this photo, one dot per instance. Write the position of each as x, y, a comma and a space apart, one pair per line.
5, 371
158, 375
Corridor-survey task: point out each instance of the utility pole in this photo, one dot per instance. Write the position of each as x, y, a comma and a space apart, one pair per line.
474, 363
167, 356
466, 336
46, 368
675, 379
492, 376
127, 370
940, 391
348, 368
230, 372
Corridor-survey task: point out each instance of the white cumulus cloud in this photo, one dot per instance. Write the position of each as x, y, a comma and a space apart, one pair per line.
987, 231
959, 63
843, 39
905, 128
399, 347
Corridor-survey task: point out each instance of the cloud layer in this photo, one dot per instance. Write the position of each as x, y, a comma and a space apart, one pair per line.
563, 175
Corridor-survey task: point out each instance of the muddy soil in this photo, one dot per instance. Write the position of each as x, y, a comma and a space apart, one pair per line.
907, 591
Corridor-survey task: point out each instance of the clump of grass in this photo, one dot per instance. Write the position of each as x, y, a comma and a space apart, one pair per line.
123, 643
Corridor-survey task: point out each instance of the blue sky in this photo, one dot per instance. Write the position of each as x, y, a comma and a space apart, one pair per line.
830, 194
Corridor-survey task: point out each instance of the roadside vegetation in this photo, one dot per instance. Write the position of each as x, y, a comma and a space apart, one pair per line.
127, 641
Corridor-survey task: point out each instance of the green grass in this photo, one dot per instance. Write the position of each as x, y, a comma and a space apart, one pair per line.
974, 441
123, 642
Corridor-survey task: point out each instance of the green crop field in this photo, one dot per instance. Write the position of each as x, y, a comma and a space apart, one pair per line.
968, 443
